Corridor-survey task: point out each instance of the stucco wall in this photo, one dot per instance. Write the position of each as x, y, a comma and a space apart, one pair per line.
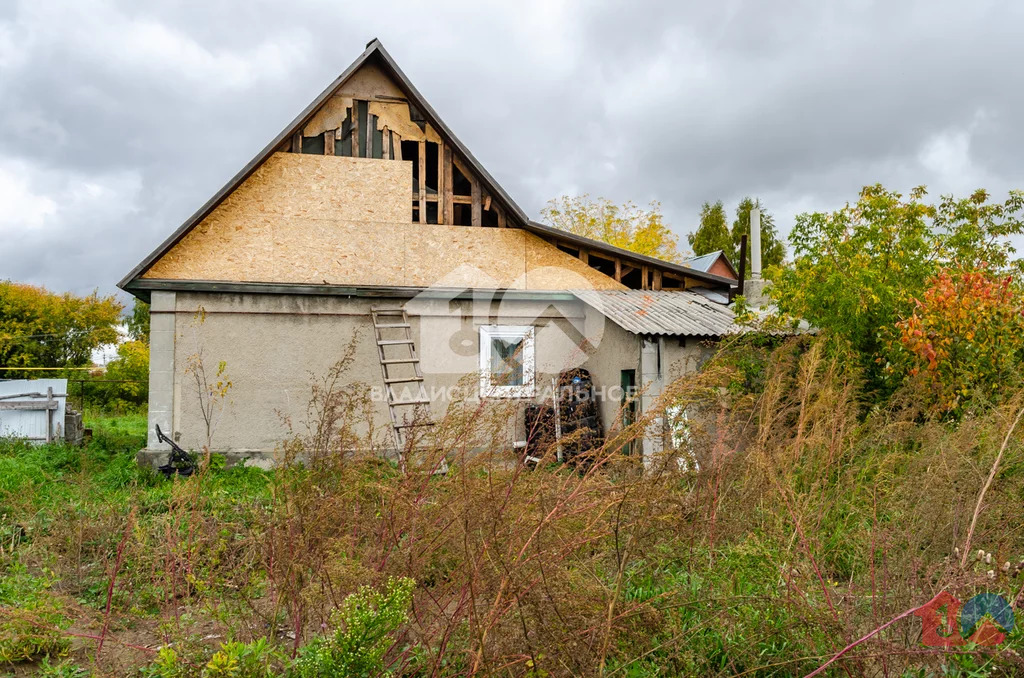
273, 346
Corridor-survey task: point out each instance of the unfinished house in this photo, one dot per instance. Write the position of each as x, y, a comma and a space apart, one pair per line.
367, 220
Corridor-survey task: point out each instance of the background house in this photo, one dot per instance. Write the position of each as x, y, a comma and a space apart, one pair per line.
713, 262
368, 202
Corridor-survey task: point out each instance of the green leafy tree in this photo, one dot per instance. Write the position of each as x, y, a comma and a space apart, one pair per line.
627, 226
856, 271
129, 375
138, 322
42, 329
773, 252
713, 232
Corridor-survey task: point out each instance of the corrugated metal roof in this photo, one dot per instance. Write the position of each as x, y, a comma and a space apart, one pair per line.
662, 312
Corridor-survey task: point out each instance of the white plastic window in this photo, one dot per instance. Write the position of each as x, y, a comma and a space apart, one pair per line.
506, 361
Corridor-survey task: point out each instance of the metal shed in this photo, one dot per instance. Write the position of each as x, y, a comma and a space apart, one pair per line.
33, 409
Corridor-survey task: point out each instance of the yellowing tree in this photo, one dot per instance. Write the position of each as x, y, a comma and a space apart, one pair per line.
859, 271
42, 329
627, 226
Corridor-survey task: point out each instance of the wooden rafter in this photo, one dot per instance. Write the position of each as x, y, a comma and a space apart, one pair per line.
447, 198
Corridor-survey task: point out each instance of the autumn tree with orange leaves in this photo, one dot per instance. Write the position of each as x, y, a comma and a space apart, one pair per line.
874, 273
964, 340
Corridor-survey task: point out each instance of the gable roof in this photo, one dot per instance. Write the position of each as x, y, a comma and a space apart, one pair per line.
376, 53
704, 262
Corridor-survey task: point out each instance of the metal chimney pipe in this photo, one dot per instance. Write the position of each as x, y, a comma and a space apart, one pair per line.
755, 243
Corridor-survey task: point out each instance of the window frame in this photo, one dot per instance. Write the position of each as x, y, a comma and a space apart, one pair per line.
528, 335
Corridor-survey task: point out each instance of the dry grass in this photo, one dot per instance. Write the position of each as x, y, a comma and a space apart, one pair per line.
809, 524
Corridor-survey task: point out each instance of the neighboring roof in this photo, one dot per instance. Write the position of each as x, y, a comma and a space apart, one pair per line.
375, 51
662, 312
705, 261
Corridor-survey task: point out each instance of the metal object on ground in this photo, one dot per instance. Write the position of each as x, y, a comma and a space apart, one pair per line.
180, 462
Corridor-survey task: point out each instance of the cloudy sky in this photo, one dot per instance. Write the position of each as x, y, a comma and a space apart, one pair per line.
118, 119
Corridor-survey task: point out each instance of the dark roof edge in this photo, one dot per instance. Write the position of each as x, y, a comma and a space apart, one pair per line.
373, 48
141, 287
599, 246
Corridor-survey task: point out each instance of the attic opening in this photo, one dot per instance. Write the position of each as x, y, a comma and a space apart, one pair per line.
489, 216
462, 214
313, 145
370, 116
411, 151
606, 266
460, 184
432, 167
633, 279
672, 283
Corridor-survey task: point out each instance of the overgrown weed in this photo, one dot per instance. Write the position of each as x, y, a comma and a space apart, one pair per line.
799, 523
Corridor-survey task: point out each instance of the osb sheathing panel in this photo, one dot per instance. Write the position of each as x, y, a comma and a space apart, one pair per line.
329, 116
549, 268
296, 249
395, 116
258, 221
370, 82
460, 256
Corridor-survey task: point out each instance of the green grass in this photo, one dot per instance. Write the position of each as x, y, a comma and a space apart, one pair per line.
63, 512
123, 425
218, 552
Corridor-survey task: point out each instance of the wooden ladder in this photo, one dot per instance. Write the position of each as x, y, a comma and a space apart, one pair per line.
400, 366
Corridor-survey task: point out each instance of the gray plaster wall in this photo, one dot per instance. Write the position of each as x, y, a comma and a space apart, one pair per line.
274, 346
162, 369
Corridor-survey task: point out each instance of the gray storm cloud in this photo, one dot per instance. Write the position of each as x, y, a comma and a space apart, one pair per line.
119, 119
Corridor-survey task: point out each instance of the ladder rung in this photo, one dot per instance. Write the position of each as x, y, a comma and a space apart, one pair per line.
389, 342
410, 402
395, 361
388, 326
386, 311
399, 380
415, 425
